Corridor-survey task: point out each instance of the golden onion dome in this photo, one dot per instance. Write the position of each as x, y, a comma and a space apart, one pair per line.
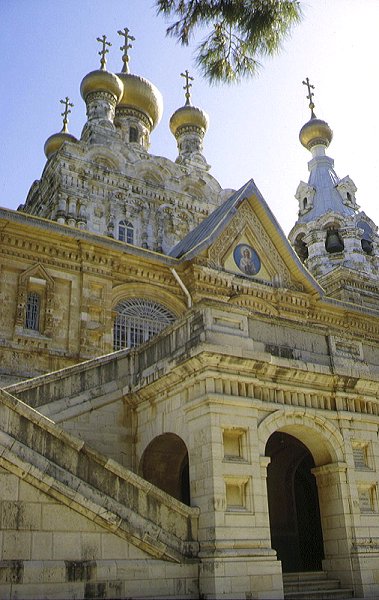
56, 141
101, 81
315, 132
189, 116
143, 96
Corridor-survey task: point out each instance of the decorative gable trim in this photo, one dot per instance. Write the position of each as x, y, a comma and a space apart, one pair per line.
245, 219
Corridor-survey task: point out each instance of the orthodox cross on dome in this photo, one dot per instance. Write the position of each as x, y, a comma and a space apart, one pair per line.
103, 51
66, 112
187, 86
310, 96
125, 57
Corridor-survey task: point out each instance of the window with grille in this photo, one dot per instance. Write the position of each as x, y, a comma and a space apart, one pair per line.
32, 313
126, 232
138, 320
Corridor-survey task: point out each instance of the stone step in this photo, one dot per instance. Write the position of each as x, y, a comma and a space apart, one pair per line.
334, 594
312, 584
304, 575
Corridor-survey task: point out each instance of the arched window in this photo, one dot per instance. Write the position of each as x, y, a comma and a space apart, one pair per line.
334, 242
366, 241
32, 312
126, 232
301, 247
138, 320
133, 134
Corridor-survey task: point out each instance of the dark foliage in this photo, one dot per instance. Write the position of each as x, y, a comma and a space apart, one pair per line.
241, 32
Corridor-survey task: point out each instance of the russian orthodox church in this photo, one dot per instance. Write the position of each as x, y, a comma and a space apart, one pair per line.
189, 403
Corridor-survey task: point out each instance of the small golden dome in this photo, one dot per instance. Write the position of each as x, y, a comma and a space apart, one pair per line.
189, 116
142, 95
101, 81
315, 132
55, 141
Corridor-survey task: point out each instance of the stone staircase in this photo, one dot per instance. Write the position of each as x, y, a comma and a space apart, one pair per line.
313, 585
62, 466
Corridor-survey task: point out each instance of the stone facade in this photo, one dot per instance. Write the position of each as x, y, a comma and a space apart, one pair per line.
189, 408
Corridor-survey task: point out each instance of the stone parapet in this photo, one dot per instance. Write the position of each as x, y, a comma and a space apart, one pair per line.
62, 466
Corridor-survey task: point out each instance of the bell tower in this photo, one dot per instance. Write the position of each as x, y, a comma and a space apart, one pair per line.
336, 241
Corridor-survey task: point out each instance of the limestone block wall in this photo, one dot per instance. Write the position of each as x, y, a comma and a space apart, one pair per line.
110, 429
224, 395
69, 320
95, 485
80, 278
362, 457
88, 382
50, 551
87, 400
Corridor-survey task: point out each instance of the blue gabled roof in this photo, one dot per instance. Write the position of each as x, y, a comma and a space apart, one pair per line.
208, 229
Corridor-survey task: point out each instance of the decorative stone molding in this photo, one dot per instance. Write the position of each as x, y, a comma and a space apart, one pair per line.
366, 545
38, 277
243, 217
348, 189
305, 194
124, 112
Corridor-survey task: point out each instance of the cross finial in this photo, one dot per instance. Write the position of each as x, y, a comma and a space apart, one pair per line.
187, 85
310, 96
66, 112
103, 51
125, 48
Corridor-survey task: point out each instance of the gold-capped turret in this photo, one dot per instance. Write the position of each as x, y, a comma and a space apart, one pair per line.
315, 132
101, 80
140, 97
189, 124
55, 141
188, 116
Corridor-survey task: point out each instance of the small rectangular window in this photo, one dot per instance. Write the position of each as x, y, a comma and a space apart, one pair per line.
133, 134
126, 232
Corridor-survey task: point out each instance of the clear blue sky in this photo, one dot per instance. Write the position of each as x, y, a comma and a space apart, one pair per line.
47, 46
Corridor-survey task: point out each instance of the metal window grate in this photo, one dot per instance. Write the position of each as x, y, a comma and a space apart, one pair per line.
137, 321
360, 457
33, 304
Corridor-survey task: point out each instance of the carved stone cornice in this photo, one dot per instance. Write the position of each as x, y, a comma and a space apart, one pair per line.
212, 376
185, 129
134, 112
102, 95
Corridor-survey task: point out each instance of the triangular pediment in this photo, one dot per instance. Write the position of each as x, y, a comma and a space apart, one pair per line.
246, 249
38, 272
242, 236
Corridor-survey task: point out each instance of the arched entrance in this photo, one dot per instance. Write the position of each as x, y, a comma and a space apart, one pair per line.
294, 512
165, 464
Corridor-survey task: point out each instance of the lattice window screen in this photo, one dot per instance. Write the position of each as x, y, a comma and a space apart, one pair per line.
33, 305
137, 321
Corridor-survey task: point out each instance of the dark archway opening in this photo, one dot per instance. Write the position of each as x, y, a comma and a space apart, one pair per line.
165, 464
294, 511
